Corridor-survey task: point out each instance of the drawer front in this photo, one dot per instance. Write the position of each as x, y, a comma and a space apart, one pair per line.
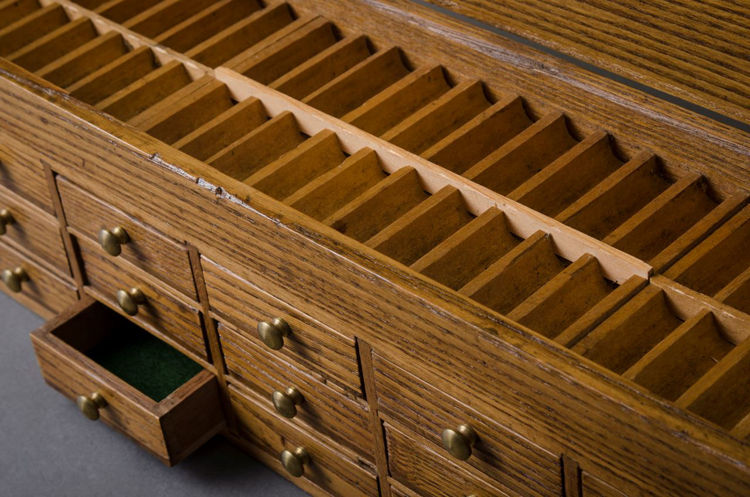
328, 355
24, 174
398, 490
170, 429
34, 229
162, 312
328, 469
43, 292
146, 248
322, 408
413, 462
594, 487
513, 463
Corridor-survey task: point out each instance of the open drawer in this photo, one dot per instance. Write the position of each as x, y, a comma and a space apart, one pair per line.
119, 373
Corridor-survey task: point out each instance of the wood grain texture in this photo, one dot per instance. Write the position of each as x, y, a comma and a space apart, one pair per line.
23, 174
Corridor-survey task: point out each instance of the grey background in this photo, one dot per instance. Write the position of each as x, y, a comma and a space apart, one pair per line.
47, 448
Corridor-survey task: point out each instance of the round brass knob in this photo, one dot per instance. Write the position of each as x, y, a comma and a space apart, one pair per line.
286, 402
272, 334
294, 461
6, 218
90, 406
129, 300
14, 277
458, 442
112, 240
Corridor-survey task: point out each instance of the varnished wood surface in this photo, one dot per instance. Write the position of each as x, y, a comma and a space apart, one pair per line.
23, 174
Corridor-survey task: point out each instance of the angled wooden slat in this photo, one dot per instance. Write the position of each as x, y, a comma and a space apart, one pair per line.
742, 429
323, 67
54, 44
423, 227
401, 99
679, 360
242, 35
184, 110
114, 76
13, 10
571, 175
722, 395
295, 169
163, 15
737, 292
516, 275
206, 23
486, 132
146, 91
618, 197
468, 251
601, 311
379, 206
439, 118
260, 147
523, 156
224, 129
355, 86
90, 4
563, 299
25, 30
120, 11
332, 190
627, 335
84, 60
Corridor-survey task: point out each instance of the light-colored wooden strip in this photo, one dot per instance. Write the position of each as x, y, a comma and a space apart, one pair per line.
114, 76
146, 91
224, 129
242, 35
737, 292
563, 299
206, 23
24, 31
571, 175
293, 170
618, 197
601, 311
258, 148
13, 10
332, 190
620, 341
323, 67
486, 132
516, 275
682, 357
722, 395
664, 219
400, 100
162, 16
469, 251
355, 86
184, 110
120, 11
422, 228
84, 60
523, 156
437, 119
90, 4
379, 206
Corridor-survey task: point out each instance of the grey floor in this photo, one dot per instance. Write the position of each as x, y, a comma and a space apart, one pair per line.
47, 448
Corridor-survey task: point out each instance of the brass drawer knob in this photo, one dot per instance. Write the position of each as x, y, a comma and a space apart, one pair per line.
6, 218
112, 240
272, 333
14, 277
458, 442
286, 402
129, 300
90, 406
294, 461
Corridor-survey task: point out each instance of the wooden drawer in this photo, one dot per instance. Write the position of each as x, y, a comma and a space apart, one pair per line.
34, 229
160, 398
330, 468
592, 486
43, 292
398, 490
146, 248
24, 175
322, 407
513, 463
414, 463
327, 354
168, 316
